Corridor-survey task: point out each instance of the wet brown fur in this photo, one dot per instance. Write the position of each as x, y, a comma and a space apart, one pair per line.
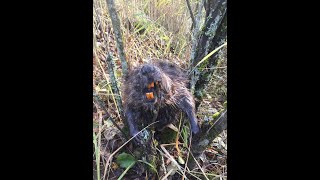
171, 96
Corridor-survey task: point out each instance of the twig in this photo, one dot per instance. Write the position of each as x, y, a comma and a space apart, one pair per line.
163, 165
114, 100
167, 174
199, 166
114, 83
101, 104
117, 31
185, 168
217, 121
209, 174
170, 157
111, 66
175, 162
191, 13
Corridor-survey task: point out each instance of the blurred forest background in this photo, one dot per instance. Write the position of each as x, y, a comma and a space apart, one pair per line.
189, 33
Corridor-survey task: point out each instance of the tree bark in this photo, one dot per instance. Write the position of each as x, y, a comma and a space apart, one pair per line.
116, 27
114, 84
211, 35
208, 133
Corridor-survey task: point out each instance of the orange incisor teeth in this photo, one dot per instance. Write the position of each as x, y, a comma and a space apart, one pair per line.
150, 95
151, 85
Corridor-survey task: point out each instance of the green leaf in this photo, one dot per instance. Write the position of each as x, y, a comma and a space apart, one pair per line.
215, 115
185, 136
125, 160
225, 104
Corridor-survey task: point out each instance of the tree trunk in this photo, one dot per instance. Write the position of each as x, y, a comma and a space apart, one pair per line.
117, 31
211, 35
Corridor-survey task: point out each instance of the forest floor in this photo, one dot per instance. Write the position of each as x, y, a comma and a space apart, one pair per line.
151, 40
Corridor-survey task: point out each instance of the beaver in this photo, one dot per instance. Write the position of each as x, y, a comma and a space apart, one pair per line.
157, 91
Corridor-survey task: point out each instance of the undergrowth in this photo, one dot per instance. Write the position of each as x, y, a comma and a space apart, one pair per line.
150, 29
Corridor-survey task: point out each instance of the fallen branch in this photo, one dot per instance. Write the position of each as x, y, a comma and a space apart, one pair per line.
207, 134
